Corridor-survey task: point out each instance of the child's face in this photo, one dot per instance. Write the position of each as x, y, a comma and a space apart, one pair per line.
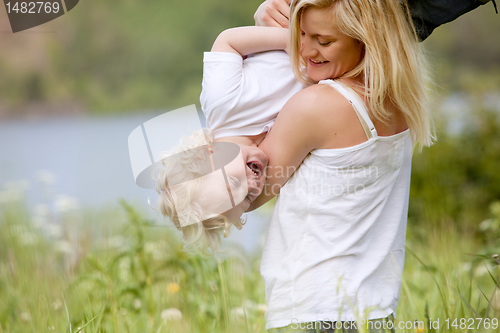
327, 52
230, 192
253, 176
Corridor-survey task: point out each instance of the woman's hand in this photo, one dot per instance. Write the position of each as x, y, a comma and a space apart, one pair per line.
273, 13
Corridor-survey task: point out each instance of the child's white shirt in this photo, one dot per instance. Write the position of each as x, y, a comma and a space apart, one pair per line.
242, 97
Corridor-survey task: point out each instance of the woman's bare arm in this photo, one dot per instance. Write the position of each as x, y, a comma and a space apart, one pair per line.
304, 124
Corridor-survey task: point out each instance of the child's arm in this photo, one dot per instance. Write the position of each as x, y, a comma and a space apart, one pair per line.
248, 40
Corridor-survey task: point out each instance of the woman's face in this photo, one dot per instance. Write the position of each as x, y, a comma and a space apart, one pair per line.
327, 52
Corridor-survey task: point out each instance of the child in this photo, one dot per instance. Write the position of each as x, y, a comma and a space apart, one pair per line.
243, 91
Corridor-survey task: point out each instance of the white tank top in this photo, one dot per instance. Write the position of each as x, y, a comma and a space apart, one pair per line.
335, 245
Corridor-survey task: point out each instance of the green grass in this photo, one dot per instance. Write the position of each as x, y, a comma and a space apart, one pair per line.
111, 271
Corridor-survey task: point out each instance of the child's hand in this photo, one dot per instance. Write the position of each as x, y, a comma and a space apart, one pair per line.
273, 13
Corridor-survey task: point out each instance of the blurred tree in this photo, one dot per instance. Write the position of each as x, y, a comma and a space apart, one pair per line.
458, 178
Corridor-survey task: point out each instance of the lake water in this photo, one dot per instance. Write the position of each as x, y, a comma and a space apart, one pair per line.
86, 162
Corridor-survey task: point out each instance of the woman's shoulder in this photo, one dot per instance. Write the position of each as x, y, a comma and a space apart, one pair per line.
328, 117
320, 99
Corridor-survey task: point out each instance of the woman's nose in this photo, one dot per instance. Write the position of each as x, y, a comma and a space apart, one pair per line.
306, 49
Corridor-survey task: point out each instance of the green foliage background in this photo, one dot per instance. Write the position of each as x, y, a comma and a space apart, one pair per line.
119, 56
116, 56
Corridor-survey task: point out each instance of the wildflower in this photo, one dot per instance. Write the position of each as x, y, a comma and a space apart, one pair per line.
53, 230
248, 304
65, 203
495, 257
45, 177
18, 186
486, 225
172, 288
171, 314
42, 210
57, 304
13, 191
118, 242
25, 316
155, 250
124, 269
466, 266
261, 308
213, 285
239, 312
137, 304
481, 270
28, 238
63, 246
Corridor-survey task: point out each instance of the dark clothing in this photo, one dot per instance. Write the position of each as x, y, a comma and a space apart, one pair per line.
430, 14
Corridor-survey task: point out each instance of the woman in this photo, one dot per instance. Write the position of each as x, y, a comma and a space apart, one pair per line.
334, 251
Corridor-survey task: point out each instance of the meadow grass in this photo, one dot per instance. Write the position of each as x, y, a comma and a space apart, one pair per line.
113, 271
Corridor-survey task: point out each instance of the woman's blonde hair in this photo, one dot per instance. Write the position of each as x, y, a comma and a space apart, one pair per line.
392, 65
184, 206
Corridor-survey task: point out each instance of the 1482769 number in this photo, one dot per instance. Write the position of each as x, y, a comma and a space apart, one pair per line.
31, 7
472, 323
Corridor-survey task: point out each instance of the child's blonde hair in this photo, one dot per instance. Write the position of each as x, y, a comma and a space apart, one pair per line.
183, 205
392, 65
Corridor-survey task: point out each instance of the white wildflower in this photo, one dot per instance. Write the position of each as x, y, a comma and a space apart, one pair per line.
57, 304
466, 266
28, 238
25, 316
172, 314
481, 270
18, 230
4, 197
124, 269
116, 242
63, 246
239, 312
64, 203
261, 308
248, 304
17, 186
13, 191
137, 304
40, 215
42, 210
155, 250
53, 230
45, 177
486, 225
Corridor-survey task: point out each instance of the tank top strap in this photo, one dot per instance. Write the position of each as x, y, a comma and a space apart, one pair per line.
357, 104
